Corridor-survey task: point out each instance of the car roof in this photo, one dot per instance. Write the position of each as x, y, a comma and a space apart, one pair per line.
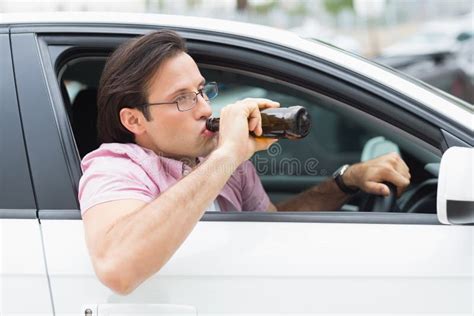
138, 19
257, 32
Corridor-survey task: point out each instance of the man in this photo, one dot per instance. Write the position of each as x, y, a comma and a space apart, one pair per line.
145, 188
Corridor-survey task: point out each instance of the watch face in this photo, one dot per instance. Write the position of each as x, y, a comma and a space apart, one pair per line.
339, 171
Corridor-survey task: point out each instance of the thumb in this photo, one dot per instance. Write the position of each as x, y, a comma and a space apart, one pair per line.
377, 188
255, 126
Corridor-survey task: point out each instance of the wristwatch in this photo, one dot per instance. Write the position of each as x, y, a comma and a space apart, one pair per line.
337, 176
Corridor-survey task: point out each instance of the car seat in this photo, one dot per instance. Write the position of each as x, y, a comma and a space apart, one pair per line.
84, 121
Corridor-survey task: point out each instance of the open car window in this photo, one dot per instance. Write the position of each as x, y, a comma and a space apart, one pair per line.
339, 134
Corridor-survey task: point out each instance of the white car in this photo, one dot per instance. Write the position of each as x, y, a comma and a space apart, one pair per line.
412, 255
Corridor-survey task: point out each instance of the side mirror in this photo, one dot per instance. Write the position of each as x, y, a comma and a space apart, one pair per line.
455, 203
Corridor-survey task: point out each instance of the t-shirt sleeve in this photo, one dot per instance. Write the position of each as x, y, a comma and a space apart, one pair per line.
106, 179
254, 197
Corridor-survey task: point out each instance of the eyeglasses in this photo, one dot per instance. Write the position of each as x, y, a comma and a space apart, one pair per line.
187, 101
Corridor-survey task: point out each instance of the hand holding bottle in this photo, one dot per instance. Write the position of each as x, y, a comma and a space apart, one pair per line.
236, 121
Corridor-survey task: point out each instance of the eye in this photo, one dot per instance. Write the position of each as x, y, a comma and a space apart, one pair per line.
183, 97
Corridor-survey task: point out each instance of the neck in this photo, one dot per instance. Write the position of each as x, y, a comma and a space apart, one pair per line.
190, 161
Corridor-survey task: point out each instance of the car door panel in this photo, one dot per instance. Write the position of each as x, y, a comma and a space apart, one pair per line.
22, 270
24, 288
269, 267
16, 191
45, 146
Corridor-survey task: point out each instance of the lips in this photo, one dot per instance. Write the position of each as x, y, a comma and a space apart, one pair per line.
207, 133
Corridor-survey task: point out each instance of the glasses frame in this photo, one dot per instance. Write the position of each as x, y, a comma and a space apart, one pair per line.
200, 91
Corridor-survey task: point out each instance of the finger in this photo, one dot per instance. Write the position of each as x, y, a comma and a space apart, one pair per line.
268, 104
263, 103
255, 126
263, 106
402, 167
406, 169
403, 170
377, 188
398, 180
255, 121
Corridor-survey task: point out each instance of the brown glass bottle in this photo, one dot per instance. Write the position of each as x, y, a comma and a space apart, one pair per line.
292, 122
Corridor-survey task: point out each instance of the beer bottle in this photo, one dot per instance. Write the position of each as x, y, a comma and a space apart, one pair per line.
292, 122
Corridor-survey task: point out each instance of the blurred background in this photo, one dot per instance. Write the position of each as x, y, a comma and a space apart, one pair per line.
431, 40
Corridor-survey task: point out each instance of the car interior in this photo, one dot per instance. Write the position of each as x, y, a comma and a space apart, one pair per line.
339, 135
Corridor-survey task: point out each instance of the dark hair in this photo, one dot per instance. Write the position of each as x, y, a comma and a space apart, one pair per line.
124, 81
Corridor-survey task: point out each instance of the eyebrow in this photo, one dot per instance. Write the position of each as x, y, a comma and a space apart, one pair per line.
203, 82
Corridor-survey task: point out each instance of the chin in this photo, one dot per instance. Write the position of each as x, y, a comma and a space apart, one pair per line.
207, 148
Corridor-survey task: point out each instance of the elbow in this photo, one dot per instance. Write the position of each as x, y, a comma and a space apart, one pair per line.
115, 276
119, 285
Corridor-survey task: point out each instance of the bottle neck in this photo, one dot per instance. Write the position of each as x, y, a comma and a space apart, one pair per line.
212, 124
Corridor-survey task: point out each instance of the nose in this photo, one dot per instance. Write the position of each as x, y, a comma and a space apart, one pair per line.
203, 108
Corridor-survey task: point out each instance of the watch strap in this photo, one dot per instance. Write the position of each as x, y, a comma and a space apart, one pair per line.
340, 182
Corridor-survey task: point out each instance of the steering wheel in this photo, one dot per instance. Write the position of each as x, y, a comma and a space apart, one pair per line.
380, 203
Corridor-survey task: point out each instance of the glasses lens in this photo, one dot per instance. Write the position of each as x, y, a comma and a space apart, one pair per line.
186, 101
210, 91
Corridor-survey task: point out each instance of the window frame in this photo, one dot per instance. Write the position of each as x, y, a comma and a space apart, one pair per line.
17, 198
212, 47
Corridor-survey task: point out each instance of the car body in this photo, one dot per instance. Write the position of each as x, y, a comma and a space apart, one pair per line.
355, 260
313, 30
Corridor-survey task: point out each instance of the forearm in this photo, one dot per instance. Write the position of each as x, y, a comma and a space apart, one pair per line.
324, 197
145, 236
140, 243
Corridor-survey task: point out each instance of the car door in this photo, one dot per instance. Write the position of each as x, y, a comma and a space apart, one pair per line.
325, 262
22, 266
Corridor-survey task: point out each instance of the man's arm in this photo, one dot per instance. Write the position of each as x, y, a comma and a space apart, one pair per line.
129, 240
367, 176
323, 197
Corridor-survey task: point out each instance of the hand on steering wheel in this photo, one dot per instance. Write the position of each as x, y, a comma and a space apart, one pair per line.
381, 203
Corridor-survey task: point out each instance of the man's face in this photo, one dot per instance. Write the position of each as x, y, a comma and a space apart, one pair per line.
172, 133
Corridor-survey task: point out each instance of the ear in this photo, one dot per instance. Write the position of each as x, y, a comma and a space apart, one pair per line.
133, 120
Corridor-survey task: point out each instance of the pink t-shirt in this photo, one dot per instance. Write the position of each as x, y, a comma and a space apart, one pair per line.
118, 171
